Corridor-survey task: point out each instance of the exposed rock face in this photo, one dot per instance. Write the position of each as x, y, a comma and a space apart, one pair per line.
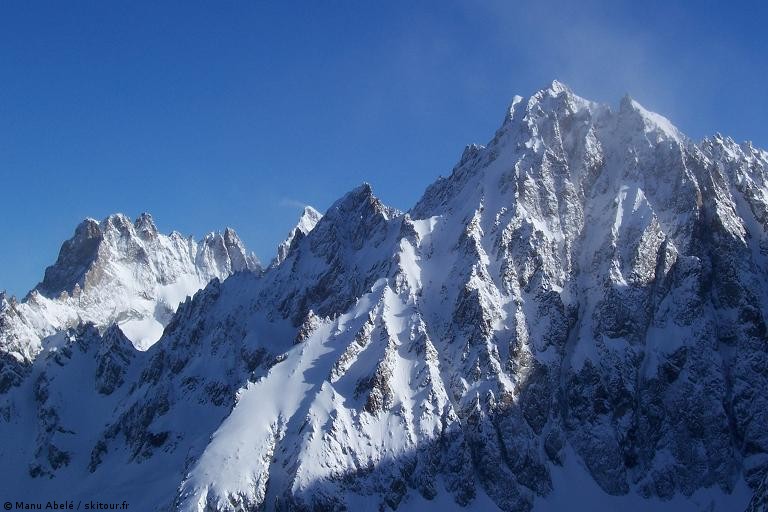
589, 289
75, 259
759, 502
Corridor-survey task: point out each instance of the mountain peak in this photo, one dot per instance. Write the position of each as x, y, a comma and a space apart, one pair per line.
555, 99
75, 258
307, 222
309, 218
652, 122
357, 197
554, 90
363, 190
360, 203
145, 225
227, 252
230, 236
118, 222
626, 101
114, 271
557, 87
309, 210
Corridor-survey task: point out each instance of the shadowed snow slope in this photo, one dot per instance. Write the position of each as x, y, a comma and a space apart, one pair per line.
575, 317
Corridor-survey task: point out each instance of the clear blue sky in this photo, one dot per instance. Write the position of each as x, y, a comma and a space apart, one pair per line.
209, 114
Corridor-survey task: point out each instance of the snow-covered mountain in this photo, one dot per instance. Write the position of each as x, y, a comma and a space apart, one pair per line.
575, 317
115, 271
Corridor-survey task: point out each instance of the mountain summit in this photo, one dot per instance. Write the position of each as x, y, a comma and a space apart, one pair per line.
576, 314
119, 271
307, 222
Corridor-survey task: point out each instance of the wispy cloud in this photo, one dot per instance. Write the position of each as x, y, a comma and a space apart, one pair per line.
600, 56
287, 202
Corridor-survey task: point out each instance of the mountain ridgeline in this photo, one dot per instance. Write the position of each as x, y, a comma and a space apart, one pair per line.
575, 315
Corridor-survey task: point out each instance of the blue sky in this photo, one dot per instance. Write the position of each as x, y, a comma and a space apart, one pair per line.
214, 114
